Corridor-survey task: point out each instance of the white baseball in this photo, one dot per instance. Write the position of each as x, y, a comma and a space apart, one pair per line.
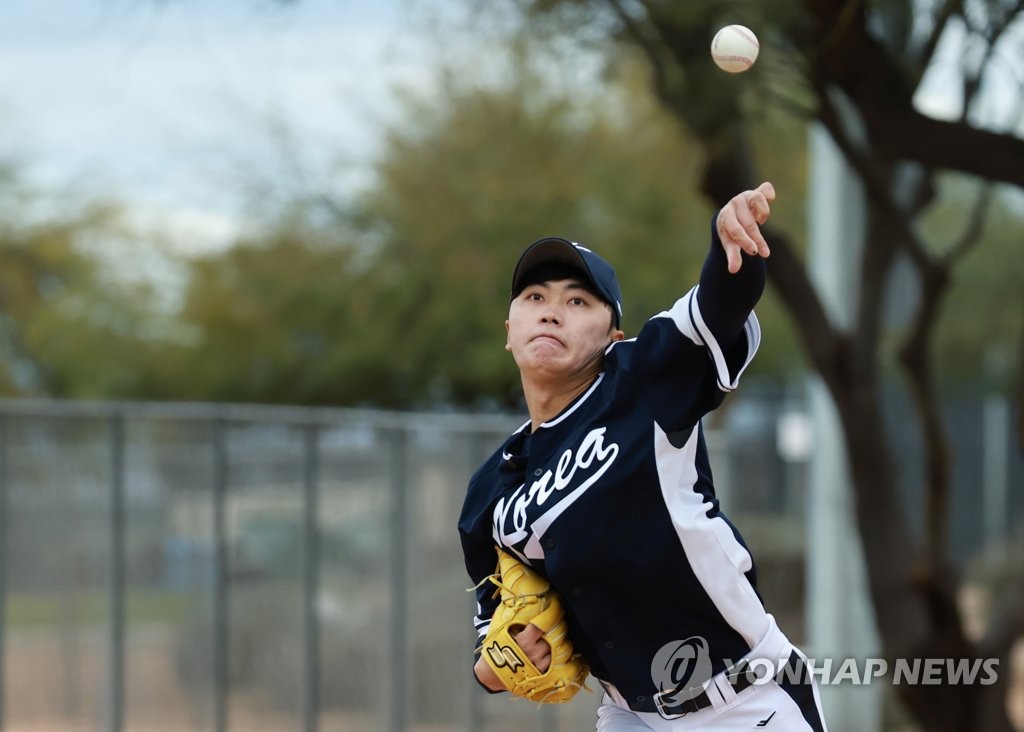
734, 48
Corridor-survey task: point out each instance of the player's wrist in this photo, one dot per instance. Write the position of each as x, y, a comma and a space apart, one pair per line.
486, 676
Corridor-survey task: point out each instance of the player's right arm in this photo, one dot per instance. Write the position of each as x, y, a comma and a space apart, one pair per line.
481, 562
486, 677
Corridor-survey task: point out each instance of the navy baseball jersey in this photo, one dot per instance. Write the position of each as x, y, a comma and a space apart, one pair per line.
613, 499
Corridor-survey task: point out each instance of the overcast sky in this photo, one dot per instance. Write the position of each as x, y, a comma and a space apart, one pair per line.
165, 104
155, 102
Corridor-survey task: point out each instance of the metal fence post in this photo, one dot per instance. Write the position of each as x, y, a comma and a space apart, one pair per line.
3, 568
399, 589
115, 679
479, 443
221, 645
311, 578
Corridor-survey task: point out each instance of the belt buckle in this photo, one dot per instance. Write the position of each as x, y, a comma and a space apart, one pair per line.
669, 708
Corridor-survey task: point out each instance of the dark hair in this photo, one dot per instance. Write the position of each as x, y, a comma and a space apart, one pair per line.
553, 272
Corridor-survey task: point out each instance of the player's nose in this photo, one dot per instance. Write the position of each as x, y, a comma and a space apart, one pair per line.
549, 313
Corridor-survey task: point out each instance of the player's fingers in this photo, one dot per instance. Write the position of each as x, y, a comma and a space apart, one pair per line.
529, 635
733, 258
751, 210
767, 190
736, 225
759, 205
762, 248
531, 640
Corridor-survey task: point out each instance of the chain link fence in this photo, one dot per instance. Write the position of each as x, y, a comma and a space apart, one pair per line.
207, 567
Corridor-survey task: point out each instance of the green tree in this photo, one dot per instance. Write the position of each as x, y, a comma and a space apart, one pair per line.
272, 320
69, 326
397, 298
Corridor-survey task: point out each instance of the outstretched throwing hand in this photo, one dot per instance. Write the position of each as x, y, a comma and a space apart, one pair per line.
738, 224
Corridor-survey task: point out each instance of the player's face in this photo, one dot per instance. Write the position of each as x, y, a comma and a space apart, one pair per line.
559, 329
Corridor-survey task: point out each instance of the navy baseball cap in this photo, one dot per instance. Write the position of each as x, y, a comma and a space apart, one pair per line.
554, 250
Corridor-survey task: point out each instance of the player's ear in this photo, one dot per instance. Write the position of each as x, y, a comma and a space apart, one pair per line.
617, 335
508, 346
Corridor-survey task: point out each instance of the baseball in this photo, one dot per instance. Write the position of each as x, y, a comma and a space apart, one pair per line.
734, 48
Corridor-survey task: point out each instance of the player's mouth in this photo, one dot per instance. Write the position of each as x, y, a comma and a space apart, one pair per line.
546, 337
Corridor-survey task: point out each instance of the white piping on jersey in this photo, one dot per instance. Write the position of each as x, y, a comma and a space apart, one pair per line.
506, 456
559, 418
752, 330
686, 314
592, 451
679, 313
717, 558
574, 407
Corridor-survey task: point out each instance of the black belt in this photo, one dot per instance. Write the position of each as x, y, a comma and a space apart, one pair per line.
740, 677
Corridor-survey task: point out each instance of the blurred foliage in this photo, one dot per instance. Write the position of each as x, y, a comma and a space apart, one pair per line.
408, 309
983, 316
66, 327
396, 298
270, 320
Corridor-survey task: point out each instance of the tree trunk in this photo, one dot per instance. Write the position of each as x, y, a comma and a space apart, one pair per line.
914, 602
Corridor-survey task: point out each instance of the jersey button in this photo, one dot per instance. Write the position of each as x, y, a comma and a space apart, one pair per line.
641, 698
609, 644
550, 543
538, 472
576, 591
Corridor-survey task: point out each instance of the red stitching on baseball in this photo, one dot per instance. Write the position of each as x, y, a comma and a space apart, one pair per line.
750, 39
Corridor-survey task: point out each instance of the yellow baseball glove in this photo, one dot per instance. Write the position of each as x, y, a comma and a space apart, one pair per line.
527, 598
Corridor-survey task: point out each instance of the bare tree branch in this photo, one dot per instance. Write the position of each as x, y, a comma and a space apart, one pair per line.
875, 183
825, 347
915, 356
992, 34
880, 89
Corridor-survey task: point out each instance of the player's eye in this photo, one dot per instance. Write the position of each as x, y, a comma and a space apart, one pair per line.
577, 301
535, 296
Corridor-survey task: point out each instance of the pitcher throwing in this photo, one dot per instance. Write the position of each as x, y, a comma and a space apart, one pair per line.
606, 494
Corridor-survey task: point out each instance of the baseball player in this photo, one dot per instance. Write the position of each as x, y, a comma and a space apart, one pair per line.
606, 492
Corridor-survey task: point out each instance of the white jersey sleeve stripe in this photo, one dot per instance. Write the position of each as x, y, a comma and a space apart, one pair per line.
719, 561
680, 315
686, 315
751, 329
